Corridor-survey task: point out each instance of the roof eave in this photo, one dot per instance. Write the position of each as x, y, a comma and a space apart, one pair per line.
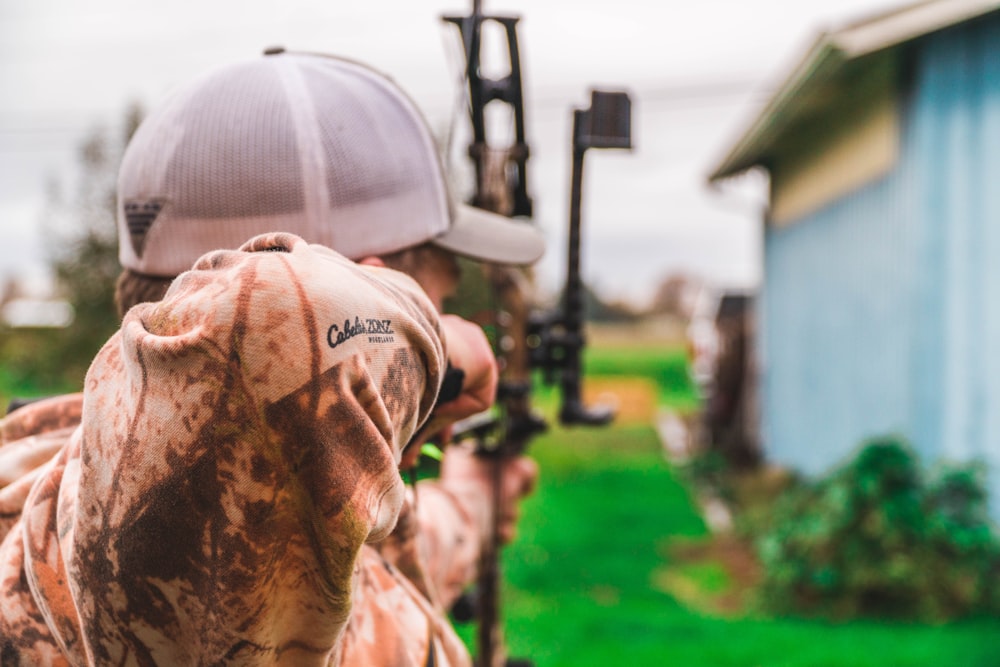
820, 61
829, 53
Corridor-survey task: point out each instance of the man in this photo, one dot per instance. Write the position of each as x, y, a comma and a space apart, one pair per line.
334, 152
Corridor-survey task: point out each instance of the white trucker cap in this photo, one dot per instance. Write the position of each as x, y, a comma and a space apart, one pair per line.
319, 146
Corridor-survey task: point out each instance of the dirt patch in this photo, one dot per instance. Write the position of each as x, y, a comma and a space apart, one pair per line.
634, 399
662, 331
715, 575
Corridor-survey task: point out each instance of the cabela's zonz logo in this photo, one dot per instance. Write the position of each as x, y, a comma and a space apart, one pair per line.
378, 331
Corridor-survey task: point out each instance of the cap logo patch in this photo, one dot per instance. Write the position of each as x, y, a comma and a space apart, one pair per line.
139, 217
378, 331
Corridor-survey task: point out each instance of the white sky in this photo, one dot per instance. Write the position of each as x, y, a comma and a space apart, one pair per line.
696, 72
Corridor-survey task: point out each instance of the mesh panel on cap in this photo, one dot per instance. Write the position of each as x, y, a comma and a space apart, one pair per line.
384, 167
233, 162
384, 179
318, 146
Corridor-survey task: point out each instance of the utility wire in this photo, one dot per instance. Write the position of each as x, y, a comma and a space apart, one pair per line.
662, 97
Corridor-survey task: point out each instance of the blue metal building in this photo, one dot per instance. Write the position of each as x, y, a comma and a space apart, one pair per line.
880, 309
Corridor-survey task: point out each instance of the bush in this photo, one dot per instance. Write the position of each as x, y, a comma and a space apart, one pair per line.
880, 537
35, 365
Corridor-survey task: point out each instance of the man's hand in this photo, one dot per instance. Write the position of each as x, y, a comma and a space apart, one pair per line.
468, 350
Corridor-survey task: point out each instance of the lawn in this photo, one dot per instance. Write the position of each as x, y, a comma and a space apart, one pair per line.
598, 575
588, 581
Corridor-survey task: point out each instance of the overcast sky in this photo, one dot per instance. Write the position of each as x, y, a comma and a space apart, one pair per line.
696, 72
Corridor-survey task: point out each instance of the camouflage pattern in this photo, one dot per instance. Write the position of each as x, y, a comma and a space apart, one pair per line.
30, 436
47, 415
236, 461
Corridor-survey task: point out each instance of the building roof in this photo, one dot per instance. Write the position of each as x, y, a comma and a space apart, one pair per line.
809, 84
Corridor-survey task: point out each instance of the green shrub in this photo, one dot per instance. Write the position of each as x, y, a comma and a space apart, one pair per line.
880, 537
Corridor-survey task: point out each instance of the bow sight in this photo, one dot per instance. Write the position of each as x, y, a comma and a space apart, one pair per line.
556, 339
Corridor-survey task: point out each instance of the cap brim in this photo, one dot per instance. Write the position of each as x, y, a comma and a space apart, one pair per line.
490, 237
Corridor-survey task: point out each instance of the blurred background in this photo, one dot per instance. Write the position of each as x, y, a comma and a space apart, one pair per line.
792, 301
696, 74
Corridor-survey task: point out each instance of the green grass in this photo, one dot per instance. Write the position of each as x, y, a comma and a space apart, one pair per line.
20, 349
580, 580
666, 366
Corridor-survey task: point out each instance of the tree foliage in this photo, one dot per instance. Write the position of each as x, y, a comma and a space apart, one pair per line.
81, 235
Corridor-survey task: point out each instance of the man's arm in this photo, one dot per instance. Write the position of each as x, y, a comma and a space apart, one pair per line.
454, 512
454, 516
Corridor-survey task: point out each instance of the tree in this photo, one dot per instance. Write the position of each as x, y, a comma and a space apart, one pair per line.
675, 296
597, 309
84, 260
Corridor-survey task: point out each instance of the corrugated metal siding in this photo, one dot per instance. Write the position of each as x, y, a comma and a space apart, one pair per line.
882, 311
957, 147
837, 295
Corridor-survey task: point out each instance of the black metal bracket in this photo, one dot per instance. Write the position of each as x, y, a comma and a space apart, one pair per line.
556, 339
483, 91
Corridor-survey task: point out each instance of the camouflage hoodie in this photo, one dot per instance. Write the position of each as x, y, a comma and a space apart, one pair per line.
238, 448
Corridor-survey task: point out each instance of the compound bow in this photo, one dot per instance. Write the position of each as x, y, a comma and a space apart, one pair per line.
525, 340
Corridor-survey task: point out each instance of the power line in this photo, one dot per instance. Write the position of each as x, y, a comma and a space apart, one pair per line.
658, 97
667, 95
